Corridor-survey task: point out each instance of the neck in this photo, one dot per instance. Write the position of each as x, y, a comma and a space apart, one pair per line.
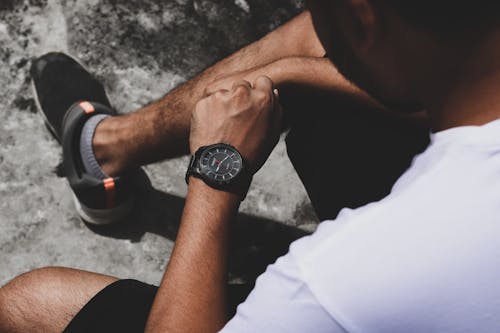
472, 96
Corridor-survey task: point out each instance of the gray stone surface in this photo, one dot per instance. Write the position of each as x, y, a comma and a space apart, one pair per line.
140, 50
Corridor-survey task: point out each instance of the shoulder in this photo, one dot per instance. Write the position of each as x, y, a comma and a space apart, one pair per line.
400, 254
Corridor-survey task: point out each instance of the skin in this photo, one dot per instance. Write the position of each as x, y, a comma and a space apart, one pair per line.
380, 44
120, 144
246, 111
403, 65
292, 54
373, 46
392, 60
46, 299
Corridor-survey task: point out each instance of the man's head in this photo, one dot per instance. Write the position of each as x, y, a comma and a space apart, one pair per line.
397, 49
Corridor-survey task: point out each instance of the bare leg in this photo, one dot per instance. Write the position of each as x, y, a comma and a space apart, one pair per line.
47, 299
161, 130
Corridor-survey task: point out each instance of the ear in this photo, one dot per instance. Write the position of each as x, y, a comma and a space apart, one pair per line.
359, 21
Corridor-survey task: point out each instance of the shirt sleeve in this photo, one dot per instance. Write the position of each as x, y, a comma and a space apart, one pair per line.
282, 302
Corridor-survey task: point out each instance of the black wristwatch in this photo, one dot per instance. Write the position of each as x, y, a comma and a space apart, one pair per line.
222, 167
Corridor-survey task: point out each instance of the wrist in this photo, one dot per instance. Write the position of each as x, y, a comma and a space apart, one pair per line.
199, 189
281, 71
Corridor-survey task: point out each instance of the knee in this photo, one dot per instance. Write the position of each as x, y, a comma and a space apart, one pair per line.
40, 283
46, 299
35, 280
20, 296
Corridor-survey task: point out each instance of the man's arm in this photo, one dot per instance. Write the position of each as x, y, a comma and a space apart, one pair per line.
191, 297
296, 74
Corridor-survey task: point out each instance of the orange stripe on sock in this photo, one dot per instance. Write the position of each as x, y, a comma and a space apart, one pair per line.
109, 186
87, 107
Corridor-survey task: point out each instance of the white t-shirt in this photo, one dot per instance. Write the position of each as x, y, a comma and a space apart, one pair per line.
424, 259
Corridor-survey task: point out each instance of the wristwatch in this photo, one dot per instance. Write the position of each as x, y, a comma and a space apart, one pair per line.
222, 167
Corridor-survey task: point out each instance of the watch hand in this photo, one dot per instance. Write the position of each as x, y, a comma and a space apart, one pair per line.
222, 162
218, 166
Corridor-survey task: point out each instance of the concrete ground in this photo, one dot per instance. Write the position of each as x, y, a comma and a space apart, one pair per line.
140, 49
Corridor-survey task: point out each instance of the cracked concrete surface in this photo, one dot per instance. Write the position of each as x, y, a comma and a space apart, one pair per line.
140, 50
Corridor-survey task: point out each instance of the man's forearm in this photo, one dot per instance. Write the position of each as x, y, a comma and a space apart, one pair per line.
192, 296
301, 74
120, 144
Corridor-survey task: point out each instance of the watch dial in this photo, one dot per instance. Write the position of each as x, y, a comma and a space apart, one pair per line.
221, 163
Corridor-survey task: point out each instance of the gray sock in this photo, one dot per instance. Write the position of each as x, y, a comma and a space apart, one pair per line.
87, 151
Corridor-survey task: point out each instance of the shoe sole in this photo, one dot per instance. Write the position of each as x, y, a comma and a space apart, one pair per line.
103, 217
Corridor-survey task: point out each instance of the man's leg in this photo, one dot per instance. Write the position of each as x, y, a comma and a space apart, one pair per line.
46, 300
61, 299
161, 130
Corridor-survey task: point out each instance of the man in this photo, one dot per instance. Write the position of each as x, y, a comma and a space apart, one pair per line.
422, 259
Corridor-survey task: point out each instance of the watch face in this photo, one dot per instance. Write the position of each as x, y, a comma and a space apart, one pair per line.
221, 163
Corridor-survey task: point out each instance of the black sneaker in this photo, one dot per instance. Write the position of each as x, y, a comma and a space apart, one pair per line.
67, 95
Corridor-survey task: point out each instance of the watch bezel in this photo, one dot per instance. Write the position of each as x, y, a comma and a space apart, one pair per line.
205, 170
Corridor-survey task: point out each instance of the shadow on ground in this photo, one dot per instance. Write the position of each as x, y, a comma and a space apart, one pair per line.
256, 242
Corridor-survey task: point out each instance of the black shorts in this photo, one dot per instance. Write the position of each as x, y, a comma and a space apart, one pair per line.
124, 306
345, 157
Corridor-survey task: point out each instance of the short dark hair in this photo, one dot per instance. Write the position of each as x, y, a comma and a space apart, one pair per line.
453, 19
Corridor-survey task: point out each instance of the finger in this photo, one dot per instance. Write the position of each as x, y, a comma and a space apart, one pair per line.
221, 92
206, 92
214, 87
241, 83
263, 83
210, 90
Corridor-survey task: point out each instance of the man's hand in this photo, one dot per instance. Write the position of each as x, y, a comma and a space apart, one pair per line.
276, 71
246, 117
